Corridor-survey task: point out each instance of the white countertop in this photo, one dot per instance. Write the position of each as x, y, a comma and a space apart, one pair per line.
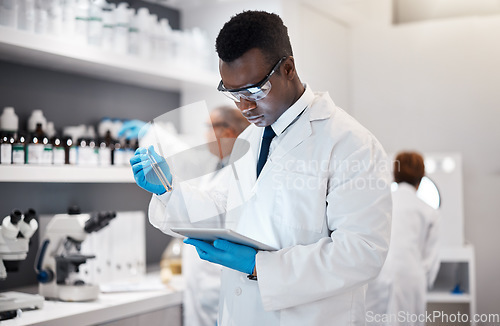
108, 307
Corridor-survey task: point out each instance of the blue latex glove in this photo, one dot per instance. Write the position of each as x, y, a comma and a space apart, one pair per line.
226, 253
144, 175
131, 129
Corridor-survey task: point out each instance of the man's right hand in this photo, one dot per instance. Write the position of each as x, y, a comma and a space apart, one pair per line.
144, 175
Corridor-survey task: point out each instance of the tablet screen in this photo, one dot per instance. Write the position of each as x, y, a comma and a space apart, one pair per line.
226, 234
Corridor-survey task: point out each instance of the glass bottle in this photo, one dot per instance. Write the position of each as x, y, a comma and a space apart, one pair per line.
58, 150
119, 154
93, 152
70, 151
105, 150
129, 151
171, 260
35, 147
47, 150
6, 142
19, 149
83, 151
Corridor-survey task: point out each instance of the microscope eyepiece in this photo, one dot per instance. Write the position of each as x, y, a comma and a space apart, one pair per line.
98, 221
29, 215
15, 216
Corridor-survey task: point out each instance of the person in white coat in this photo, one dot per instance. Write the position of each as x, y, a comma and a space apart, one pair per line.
202, 278
313, 183
398, 295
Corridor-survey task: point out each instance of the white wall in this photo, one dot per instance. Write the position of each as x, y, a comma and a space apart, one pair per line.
435, 86
321, 51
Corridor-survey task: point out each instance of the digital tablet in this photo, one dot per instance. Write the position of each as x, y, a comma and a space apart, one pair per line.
226, 234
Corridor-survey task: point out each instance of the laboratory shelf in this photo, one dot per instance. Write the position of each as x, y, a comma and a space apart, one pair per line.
447, 297
65, 174
457, 254
63, 55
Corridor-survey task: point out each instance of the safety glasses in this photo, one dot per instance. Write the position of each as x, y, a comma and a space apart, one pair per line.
254, 92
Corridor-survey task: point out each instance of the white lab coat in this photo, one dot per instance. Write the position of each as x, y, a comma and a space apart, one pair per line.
323, 198
412, 261
202, 278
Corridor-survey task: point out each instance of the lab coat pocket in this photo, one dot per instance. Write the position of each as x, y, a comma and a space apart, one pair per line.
300, 200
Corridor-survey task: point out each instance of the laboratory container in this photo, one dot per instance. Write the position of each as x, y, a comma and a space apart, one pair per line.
9, 120
6, 141
19, 149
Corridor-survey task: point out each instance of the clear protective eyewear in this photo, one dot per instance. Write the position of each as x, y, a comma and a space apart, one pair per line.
254, 92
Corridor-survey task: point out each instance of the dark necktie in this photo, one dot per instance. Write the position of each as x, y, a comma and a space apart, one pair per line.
264, 148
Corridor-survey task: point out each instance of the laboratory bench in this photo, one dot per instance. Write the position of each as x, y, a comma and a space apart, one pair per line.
153, 305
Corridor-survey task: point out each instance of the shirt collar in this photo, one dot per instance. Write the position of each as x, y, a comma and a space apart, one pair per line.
406, 187
293, 111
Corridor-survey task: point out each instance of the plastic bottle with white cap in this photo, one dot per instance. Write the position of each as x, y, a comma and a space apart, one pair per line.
95, 23
108, 26
9, 124
41, 17
81, 21
165, 34
54, 17
35, 118
26, 15
143, 23
68, 18
9, 120
121, 28
134, 36
8, 13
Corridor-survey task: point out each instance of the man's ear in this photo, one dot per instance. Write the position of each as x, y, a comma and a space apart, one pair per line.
289, 68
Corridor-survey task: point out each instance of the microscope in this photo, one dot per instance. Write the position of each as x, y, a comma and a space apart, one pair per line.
59, 256
15, 233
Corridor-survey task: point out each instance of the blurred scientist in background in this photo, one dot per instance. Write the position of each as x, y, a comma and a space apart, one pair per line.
201, 294
413, 259
202, 278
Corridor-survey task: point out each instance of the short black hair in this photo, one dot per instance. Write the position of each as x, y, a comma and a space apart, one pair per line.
253, 29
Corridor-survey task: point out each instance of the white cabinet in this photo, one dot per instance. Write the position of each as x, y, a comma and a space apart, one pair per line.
457, 270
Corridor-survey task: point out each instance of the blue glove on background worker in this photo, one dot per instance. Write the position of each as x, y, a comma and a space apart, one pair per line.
144, 175
131, 129
226, 253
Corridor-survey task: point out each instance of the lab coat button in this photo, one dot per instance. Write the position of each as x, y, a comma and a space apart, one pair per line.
237, 291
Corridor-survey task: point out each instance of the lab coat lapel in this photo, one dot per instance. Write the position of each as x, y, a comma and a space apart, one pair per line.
246, 168
293, 137
299, 131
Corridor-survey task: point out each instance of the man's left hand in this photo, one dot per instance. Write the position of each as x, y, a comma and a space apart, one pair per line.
226, 253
